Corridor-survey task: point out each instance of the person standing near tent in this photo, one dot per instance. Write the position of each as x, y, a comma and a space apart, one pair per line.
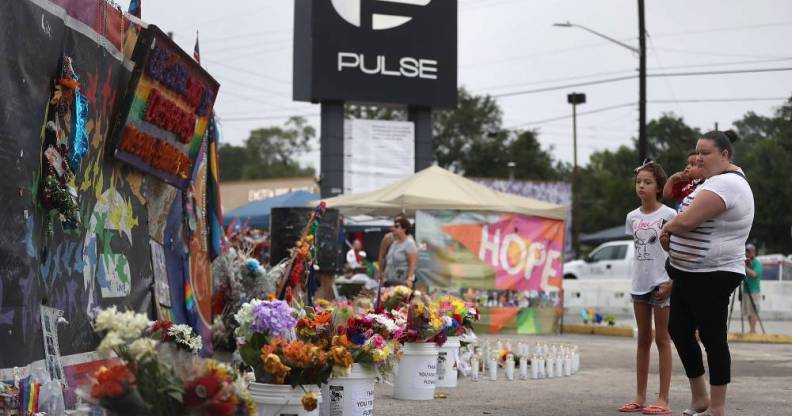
650, 286
402, 255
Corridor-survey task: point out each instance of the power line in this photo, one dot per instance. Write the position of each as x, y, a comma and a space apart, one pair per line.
582, 113
267, 117
661, 101
249, 72
595, 74
656, 75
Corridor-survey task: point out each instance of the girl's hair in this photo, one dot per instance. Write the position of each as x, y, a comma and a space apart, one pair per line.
723, 140
659, 174
693, 152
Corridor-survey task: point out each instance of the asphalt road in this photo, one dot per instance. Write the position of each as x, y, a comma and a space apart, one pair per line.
761, 384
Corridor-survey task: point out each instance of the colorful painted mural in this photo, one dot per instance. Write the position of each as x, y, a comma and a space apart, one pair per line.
104, 258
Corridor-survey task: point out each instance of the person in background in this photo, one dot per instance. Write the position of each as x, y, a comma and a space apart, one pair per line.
402, 257
682, 184
355, 256
751, 296
650, 287
387, 239
706, 250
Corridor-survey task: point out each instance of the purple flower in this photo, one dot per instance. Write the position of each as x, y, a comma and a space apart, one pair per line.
273, 318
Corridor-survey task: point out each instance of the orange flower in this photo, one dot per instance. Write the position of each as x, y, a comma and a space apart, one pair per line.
342, 340
112, 382
274, 366
309, 402
341, 357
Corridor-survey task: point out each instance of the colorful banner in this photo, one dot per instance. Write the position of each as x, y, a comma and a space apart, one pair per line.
165, 111
489, 251
514, 320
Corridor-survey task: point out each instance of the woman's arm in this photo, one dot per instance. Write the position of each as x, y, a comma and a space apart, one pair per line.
383, 250
706, 205
412, 262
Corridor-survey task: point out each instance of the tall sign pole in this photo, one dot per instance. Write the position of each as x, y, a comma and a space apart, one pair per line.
400, 53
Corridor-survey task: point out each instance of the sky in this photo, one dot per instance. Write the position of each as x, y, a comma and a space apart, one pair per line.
511, 46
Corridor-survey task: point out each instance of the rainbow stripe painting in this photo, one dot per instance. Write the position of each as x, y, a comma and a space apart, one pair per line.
166, 110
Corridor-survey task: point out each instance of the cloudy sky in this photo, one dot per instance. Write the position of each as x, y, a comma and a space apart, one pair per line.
508, 47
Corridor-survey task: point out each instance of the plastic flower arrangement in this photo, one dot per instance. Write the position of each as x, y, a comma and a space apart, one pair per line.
458, 317
160, 373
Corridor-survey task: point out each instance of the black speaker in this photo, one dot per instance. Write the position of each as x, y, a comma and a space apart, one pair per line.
286, 227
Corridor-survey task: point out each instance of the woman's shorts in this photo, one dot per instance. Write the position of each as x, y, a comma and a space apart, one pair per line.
650, 298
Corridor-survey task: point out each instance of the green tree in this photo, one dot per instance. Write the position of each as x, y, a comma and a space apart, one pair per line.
765, 154
670, 140
269, 152
475, 124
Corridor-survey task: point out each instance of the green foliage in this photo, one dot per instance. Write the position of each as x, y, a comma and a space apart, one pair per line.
765, 154
269, 152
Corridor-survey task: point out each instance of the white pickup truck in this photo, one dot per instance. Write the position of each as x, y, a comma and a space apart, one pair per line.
609, 260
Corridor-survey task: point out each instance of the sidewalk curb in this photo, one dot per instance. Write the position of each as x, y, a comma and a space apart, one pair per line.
613, 331
625, 331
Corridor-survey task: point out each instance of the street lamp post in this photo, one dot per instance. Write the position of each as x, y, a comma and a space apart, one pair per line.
641, 52
575, 99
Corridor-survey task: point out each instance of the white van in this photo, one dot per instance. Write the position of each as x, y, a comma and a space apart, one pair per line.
608, 261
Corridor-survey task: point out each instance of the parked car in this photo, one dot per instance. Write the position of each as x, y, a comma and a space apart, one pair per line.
609, 260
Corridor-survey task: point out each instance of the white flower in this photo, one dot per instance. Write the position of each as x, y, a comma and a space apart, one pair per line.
141, 347
111, 340
107, 319
245, 319
129, 325
388, 323
183, 334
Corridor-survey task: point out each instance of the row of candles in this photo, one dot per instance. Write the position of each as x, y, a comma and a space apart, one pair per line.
547, 361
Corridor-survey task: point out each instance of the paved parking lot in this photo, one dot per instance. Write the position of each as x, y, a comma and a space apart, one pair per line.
761, 384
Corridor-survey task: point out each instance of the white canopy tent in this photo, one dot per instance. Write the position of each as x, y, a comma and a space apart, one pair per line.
435, 188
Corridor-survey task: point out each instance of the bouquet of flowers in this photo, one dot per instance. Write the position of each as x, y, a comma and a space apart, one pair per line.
297, 363
458, 317
159, 372
423, 324
258, 322
396, 297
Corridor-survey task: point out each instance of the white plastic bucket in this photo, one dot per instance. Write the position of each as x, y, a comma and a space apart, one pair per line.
352, 395
446, 363
416, 374
282, 400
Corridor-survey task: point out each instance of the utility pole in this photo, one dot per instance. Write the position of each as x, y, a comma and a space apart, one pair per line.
642, 139
575, 99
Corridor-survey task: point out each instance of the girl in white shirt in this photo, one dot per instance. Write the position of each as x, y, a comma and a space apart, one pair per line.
650, 286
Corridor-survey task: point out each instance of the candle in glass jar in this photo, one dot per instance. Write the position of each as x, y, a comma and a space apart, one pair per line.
541, 366
550, 366
523, 368
534, 367
559, 369
568, 365
474, 367
493, 367
509, 367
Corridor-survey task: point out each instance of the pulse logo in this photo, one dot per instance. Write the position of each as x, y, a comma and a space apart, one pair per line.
377, 14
